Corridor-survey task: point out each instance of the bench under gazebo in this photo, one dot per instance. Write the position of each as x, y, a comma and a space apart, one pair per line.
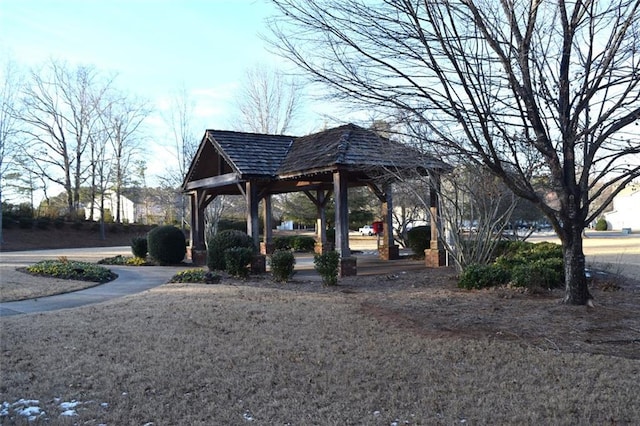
321, 165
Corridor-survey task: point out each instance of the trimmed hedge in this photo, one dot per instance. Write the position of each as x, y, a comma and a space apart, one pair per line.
419, 239
237, 260
223, 241
167, 244
282, 265
522, 263
139, 247
300, 243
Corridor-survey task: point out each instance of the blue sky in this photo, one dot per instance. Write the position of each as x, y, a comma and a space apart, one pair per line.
155, 46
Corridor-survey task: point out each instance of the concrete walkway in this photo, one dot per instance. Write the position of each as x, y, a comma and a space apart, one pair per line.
133, 279
130, 280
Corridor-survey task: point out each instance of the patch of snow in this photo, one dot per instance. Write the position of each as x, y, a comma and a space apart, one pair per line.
248, 416
69, 405
69, 413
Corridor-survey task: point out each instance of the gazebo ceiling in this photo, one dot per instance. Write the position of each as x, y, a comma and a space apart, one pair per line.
226, 159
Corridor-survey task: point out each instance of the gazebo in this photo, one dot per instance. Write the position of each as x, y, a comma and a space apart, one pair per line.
322, 164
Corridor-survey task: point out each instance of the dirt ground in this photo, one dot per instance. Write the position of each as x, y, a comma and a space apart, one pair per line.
406, 347
397, 349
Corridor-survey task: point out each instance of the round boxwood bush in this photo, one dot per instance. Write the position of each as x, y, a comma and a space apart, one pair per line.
167, 244
419, 239
223, 241
601, 225
139, 247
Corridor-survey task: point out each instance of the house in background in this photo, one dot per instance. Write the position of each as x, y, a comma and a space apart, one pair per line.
626, 206
128, 208
139, 205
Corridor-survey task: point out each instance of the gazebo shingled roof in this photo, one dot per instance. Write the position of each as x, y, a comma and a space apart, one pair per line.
284, 157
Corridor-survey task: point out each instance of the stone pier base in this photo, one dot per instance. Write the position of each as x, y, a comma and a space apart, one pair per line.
267, 248
259, 264
389, 253
198, 257
348, 267
435, 258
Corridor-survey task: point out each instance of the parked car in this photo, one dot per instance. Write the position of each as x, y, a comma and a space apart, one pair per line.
366, 230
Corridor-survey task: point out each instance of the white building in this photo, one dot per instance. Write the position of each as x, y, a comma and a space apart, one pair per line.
127, 208
626, 206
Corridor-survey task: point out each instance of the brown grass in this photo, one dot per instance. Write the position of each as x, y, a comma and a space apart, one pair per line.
408, 348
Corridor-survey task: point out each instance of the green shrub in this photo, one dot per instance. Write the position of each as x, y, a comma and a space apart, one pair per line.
523, 253
481, 276
58, 223
195, 276
71, 270
545, 273
327, 266
139, 247
303, 243
222, 241
601, 225
282, 264
504, 247
123, 260
419, 239
283, 242
237, 260
166, 244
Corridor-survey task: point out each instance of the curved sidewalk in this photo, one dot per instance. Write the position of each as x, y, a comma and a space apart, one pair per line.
130, 280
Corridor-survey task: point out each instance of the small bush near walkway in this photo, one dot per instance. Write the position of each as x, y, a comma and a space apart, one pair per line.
327, 266
222, 241
282, 264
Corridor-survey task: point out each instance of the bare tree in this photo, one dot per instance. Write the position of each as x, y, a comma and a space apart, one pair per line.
9, 92
185, 145
494, 80
59, 112
268, 102
122, 119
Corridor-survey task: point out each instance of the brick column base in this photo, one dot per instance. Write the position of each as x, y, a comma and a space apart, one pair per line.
389, 253
198, 257
348, 267
259, 264
319, 248
267, 248
435, 258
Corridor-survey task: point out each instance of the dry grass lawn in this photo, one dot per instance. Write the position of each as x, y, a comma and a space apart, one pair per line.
399, 349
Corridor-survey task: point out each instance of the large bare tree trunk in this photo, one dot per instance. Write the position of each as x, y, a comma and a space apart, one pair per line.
576, 288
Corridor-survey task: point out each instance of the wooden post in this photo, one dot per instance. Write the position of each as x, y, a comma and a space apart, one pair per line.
347, 262
267, 247
253, 224
197, 251
435, 255
389, 250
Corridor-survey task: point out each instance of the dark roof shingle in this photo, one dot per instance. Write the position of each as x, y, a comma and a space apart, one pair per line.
251, 153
